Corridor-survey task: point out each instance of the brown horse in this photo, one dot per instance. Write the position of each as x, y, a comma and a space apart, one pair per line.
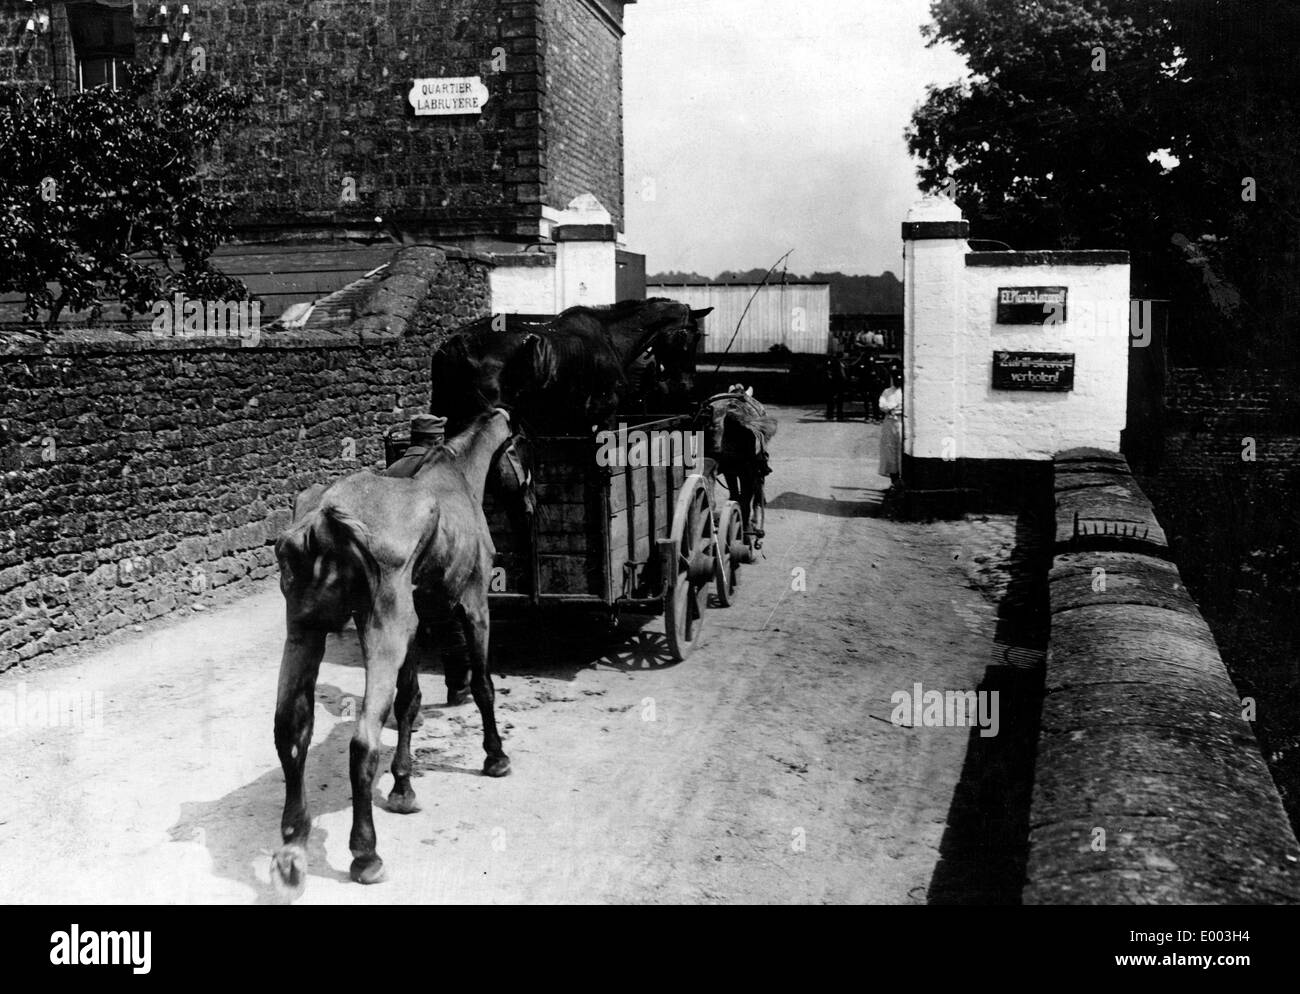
388, 552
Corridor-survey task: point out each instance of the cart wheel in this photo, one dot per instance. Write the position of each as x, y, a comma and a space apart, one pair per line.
731, 542
692, 555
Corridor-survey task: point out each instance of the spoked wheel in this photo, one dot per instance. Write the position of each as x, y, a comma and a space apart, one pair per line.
690, 556
731, 552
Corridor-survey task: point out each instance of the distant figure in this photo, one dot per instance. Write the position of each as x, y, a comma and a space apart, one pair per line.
891, 430
836, 383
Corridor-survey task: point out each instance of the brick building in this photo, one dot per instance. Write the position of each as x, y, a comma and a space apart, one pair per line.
335, 142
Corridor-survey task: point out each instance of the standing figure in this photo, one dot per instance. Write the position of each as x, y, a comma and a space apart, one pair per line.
836, 382
891, 430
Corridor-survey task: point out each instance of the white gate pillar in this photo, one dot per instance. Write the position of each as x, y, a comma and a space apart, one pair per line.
934, 318
585, 254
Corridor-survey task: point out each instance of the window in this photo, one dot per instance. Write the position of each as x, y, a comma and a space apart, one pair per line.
103, 40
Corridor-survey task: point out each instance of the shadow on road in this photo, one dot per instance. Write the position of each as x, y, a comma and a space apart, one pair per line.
244, 825
868, 508
847, 419
557, 645
985, 847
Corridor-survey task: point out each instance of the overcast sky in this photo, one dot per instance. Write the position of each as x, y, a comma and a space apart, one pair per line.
756, 126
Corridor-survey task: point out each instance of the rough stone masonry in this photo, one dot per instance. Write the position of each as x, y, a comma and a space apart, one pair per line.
140, 476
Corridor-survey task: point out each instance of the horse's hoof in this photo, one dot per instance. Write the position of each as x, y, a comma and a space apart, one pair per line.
289, 872
367, 870
403, 804
457, 697
496, 766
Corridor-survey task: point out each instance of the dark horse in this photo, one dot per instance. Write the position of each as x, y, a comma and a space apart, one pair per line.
736, 437
560, 376
570, 373
388, 552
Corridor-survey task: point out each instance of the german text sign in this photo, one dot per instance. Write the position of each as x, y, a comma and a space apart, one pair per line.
452, 95
1033, 371
1031, 305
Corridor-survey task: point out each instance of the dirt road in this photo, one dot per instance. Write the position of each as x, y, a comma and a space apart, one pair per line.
763, 769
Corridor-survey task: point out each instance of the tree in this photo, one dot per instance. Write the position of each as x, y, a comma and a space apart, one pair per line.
101, 195
1110, 123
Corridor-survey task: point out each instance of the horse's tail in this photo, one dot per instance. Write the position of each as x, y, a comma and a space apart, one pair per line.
327, 565
350, 532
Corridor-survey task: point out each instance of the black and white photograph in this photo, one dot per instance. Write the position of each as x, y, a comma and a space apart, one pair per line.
650, 452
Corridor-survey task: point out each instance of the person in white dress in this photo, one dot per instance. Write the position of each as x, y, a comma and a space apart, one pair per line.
891, 429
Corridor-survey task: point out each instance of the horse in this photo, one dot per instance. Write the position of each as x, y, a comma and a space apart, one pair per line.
566, 374
389, 552
562, 376
739, 431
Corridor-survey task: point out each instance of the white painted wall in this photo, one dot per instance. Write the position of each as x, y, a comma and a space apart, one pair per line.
796, 315
523, 289
585, 273
1027, 424
951, 408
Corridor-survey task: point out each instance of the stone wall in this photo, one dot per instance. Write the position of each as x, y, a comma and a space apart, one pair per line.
1226, 484
1227, 429
1244, 422
1207, 396
1149, 786
140, 476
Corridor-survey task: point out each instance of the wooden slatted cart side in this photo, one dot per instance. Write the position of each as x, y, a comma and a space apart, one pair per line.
596, 526
641, 503
564, 560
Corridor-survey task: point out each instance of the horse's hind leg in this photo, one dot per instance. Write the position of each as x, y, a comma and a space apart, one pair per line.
733, 485
402, 797
294, 719
738, 484
385, 642
755, 507
455, 668
474, 620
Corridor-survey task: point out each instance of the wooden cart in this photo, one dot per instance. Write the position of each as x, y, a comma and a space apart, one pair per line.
642, 538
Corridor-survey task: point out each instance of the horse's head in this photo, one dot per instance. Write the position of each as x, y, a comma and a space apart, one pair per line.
675, 350
485, 434
476, 370
476, 450
512, 476
530, 370
521, 384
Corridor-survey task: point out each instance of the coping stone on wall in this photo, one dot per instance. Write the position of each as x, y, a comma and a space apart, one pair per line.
1142, 734
1050, 257
383, 315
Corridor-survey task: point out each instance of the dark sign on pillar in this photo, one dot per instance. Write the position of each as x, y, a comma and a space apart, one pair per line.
1033, 371
1031, 305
